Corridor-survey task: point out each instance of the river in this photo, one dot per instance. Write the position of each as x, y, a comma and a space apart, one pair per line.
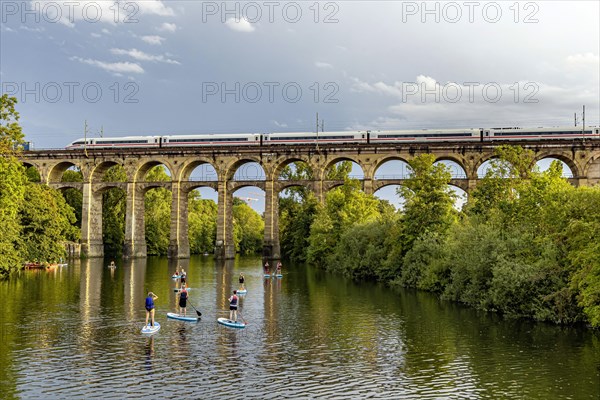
74, 332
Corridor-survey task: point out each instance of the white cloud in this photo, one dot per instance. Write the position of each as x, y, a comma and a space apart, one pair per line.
279, 124
584, 59
105, 31
28, 29
153, 39
167, 27
93, 11
324, 65
155, 7
7, 29
96, 35
241, 25
116, 68
141, 56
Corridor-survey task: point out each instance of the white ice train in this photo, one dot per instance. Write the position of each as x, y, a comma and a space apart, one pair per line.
291, 138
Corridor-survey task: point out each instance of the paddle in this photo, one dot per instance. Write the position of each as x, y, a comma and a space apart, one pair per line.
243, 319
197, 312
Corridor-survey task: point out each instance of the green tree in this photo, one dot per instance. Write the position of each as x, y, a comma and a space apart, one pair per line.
11, 133
345, 207
12, 185
428, 200
114, 205
248, 228
74, 197
158, 213
46, 223
202, 223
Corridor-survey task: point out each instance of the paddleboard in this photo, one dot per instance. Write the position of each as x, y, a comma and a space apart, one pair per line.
230, 323
182, 318
151, 329
244, 291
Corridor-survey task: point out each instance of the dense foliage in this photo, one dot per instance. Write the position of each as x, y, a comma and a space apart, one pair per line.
524, 245
34, 220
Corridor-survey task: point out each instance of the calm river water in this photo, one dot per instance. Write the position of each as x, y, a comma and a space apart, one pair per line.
75, 333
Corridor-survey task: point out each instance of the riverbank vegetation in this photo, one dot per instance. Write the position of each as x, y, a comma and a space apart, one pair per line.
525, 244
36, 220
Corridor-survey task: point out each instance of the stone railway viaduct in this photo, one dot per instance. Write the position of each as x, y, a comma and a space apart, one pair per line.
582, 157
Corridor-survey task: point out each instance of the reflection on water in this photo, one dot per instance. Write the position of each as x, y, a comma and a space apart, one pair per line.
75, 332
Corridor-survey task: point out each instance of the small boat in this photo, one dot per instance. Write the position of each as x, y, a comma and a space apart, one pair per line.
230, 323
267, 275
38, 265
182, 317
279, 275
63, 265
175, 276
243, 291
151, 329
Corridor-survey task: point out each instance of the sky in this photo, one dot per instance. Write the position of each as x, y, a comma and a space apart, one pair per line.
183, 67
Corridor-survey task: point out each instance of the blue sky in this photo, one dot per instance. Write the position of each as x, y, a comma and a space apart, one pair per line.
162, 67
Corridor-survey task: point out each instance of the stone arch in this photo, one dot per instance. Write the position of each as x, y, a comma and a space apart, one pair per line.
481, 162
142, 169
57, 171
382, 192
29, 167
336, 160
284, 162
188, 168
383, 160
98, 171
459, 162
463, 192
566, 158
155, 185
233, 168
283, 185
64, 186
200, 184
592, 169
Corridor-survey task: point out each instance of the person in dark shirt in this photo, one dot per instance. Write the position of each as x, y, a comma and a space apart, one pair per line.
183, 296
150, 307
242, 280
233, 306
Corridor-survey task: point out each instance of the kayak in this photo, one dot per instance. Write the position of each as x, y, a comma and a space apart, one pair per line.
243, 291
279, 275
175, 276
179, 289
151, 329
230, 323
182, 317
267, 275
